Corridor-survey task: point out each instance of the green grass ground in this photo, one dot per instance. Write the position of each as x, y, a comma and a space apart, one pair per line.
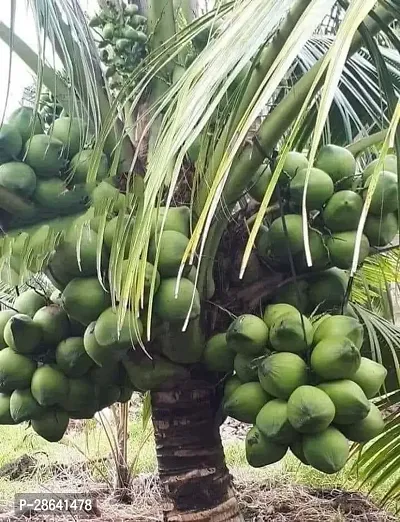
90, 445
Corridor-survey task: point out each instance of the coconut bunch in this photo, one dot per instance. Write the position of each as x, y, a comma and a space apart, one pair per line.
47, 170
335, 197
303, 385
122, 40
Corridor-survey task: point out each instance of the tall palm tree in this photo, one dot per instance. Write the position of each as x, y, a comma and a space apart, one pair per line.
212, 99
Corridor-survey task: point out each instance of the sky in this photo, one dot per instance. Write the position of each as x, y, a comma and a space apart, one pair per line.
21, 76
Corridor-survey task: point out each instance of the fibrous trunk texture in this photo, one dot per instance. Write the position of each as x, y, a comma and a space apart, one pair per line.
194, 477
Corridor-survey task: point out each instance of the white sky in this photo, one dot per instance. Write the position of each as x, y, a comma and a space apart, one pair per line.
21, 76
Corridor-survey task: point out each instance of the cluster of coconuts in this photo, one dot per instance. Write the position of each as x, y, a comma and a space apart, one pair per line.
123, 40
49, 170
303, 384
335, 197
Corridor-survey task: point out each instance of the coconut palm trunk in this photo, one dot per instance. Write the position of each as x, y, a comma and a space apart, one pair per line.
196, 483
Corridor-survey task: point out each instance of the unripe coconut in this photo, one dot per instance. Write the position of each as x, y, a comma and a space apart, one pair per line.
18, 177
54, 323
310, 410
247, 334
326, 451
26, 121
218, 356
272, 420
152, 374
231, 384
384, 198
81, 396
261, 452
71, 357
5, 315
381, 230
319, 254
341, 248
171, 308
29, 302
5, 414
80, 163
260, 182
350, 402
282, 240
183, 347
339, 163
52, 425
370, 376
71, 132
335, 358
294, 162
246, 401
274, 311
245, 368
340, 326
84, 299
295, 295
291, 333
49, 386
319, 189
365, 429
172, 247
281, 373
328, 289
177, 219
297, 449
22, 334
343, 210
44, 154
119, 338
10, 142
16, 371
389, 164
24, 407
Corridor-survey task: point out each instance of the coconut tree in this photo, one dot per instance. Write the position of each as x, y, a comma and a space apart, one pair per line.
186, 119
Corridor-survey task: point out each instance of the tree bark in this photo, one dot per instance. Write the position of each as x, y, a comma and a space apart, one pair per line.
196, 483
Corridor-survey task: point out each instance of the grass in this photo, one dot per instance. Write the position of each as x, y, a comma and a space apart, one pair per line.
82, 456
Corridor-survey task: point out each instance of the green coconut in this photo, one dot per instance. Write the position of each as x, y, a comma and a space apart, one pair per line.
110, 234
381, 230
350, 402
319, 189
171, 304
272, 420
10, 142
106, 191
81, 397
177, 219
370, 376
319, 256
52, 425
248, 334
71, 132
26, 121
217, 356
183, 347
335, 358
172, 246
282, 241
231, 384
384, 198
246, 401
297, 449
244, 368
339, 326
54, 324
341, 248
109, 334
45, 155
261, 452
260, 182
108, 395
365, 429
104, 375
295, 295
326, 451
274, 311
49, 192
18, 177
343, 210
101, 355
81, 162
5, 315
23, 406
84, 299
328, 289
49, 386
148, 278
71, 357
29, 302
281, 373
5, 414
150, 374
22, 334
389, 164
310, 410
291, 333
294, 162
339, 163
16, 370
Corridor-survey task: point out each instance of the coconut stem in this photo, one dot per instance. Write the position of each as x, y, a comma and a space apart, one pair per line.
362, 144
